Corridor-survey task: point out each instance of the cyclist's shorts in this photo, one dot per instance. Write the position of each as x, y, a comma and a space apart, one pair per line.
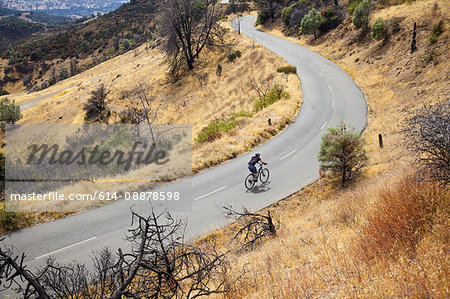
252, 168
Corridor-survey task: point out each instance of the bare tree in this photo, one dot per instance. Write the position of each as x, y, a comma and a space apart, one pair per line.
260, 86
160, 265
146, 112
14, 276
427, 136
187, 27
254, 226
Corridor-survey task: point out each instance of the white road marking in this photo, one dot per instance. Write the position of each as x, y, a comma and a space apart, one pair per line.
329, 87
321, 75
212, 192
64, 248
323, 126
285, 156
332, 105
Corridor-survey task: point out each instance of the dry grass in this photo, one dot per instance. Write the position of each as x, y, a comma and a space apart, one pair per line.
200, 97
328, 244
387, 235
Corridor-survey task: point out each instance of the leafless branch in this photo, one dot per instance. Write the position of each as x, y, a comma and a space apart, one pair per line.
253, 226
427, 136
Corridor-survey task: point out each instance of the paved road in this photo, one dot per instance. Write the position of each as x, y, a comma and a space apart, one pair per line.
329, 97
33, 102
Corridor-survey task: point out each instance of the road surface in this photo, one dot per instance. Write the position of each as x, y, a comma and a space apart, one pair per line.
329, 97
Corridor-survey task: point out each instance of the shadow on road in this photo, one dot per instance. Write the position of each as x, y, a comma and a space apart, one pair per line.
260, 188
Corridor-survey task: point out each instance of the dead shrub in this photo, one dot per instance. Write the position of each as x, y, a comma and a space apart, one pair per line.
399, 218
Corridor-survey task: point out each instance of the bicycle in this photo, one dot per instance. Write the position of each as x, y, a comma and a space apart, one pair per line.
262, 173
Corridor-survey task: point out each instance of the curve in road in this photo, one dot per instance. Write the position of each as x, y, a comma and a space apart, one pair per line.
329, 97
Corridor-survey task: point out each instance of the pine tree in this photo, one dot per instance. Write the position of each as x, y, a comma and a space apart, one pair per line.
311, 22
361, 15
342, 152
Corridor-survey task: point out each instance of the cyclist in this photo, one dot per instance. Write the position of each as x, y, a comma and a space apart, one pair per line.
251, 165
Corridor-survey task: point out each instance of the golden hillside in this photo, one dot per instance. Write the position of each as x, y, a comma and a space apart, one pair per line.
386, 235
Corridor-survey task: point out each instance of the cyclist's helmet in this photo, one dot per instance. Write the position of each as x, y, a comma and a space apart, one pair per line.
257, 155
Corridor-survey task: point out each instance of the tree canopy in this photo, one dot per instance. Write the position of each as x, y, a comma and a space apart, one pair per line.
342, 152
311, 22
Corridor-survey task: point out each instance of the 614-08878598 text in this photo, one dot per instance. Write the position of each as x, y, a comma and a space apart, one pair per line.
97, 195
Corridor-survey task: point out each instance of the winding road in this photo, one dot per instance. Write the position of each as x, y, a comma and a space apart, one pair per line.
329, 97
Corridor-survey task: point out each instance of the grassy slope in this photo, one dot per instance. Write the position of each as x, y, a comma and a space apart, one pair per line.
386, 235
187, 101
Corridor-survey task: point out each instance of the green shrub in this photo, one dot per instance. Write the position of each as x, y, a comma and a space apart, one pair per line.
288, 69
437, 30
126, 44
36, 54
276, 93
379, 29
286, 13
3, 92
361, 14
14, 56
215, 129
263, 15
330, 19
63, 74
85, 46
352, 5
233, 55
11, 221
9, 111
242, 113
433, 39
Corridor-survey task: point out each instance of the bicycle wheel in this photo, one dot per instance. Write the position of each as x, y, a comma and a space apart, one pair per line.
249, 182
264, 175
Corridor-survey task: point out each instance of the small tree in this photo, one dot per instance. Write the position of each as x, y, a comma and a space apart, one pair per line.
85, 46
427, 136
311, 22
63, 74
361, 15
126, 44
342, 152
9, 112
116, 43
96, 103
379, 29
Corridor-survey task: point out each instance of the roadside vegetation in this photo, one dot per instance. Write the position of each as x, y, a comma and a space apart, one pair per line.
217, 97
385, 233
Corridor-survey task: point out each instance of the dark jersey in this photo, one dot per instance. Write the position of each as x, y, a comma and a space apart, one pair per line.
254, 160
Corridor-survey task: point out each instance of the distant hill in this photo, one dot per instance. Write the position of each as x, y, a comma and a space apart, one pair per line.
78, 45
64, 7
13, 28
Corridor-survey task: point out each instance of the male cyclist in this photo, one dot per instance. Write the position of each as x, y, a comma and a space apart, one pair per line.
251, 165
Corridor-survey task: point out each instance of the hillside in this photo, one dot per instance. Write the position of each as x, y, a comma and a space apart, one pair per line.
64, 7
34, 63
202, 98
13, 28
385, 235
